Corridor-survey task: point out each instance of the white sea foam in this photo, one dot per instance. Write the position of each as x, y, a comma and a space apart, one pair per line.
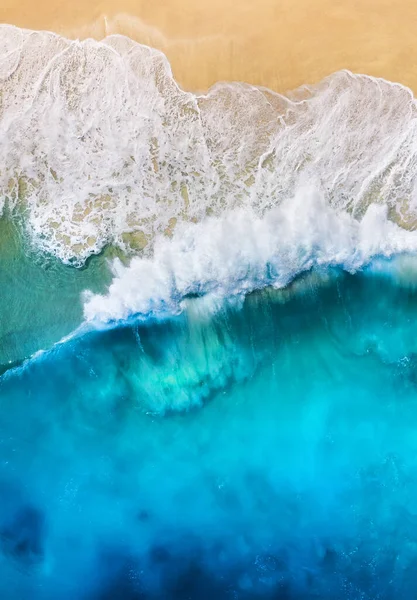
240, 251
99, 145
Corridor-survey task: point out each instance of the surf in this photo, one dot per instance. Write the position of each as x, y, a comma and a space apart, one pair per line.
153, 157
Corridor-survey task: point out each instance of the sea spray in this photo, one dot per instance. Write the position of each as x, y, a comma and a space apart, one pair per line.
239, 252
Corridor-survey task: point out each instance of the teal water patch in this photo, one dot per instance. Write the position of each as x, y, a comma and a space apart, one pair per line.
269, 451
40, 298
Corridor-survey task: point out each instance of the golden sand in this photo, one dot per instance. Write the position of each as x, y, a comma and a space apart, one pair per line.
277, 43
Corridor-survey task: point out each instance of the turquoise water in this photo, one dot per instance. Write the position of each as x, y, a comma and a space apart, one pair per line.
172, 425
266, 451
40, 298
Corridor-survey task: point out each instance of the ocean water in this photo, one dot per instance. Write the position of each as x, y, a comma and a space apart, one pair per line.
208, 342
266, 451
40, 297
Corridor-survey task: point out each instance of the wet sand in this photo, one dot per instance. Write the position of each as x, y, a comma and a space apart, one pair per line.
277, 43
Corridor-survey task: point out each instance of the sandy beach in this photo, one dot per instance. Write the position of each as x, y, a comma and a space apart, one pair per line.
276, 43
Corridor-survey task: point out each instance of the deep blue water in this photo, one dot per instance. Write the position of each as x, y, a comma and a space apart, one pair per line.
267, 451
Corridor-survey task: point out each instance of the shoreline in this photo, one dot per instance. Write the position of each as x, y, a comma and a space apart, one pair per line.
279, 47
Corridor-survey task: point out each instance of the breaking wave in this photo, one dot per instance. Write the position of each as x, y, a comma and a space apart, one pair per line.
218, 193
240, 252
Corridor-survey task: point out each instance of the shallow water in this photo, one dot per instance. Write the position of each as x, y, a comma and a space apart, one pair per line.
40, 298
100, 146
266, 451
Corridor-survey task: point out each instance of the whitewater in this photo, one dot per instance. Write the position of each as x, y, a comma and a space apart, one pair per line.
216, 294
222, 192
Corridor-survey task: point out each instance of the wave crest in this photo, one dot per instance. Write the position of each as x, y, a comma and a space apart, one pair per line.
240, 252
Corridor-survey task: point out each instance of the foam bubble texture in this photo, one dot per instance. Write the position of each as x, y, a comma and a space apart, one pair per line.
99, 144
225, 257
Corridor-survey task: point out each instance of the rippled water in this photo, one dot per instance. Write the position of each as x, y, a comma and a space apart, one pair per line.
40, 298
266, 451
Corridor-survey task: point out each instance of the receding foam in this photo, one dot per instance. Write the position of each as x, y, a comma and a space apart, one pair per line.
100, 145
